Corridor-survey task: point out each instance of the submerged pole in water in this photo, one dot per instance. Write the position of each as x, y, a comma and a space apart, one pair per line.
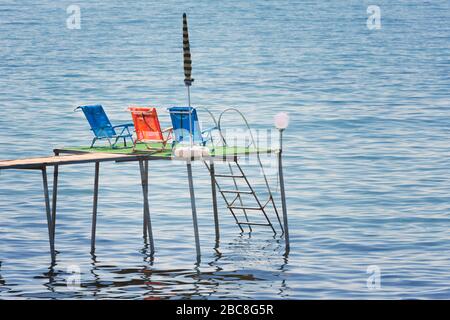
194, 209
283, 195
54, 196
145, 224
144, 181
212, 173
281, 122
49, 214
94, 206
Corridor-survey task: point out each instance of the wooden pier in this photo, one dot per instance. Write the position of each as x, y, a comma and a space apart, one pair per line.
83, 155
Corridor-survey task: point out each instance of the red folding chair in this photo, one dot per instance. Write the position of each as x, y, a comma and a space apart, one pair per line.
148, 129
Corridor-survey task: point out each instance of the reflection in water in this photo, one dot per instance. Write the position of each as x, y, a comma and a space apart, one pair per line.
2, 282
252, 262
147, 256
50, 275
95, 289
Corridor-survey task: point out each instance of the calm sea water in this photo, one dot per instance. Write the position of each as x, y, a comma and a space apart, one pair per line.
367, 153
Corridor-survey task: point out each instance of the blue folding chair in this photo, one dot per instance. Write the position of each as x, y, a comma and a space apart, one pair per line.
102, 127
181, 128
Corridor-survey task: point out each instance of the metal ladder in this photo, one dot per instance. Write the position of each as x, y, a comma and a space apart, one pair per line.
236, 203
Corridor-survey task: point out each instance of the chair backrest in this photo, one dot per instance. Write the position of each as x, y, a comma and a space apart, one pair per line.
181, 127
146, 123
98, 120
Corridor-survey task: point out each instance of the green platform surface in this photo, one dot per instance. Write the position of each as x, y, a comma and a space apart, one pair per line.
167, 152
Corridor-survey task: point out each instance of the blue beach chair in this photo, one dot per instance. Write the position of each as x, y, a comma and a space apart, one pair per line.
102, 127
180, 124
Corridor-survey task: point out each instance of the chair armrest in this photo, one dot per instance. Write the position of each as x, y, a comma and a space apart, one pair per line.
124, 125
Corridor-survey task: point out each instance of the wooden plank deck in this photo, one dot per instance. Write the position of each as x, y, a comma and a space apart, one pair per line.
39, 163
166, 153
67, 156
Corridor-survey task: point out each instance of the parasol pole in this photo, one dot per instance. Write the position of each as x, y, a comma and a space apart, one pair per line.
187, 70
188, 82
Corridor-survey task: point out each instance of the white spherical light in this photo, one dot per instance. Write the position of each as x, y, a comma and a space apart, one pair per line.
281, 120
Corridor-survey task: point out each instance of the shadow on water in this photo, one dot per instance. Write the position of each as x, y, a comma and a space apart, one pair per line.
231, 268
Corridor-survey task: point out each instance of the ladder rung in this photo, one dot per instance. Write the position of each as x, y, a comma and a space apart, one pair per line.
254, 223
236, 191
227, 176
245, 208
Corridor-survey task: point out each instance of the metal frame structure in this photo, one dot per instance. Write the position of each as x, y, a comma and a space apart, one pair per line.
260, 206
70, 157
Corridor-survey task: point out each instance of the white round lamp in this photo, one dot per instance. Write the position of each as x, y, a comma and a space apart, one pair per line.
281, 120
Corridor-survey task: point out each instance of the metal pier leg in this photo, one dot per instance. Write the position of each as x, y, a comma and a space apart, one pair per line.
147, 221
145, 224
214, 199
54, 197
49, 214
194, 210
283, 194
94, 207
